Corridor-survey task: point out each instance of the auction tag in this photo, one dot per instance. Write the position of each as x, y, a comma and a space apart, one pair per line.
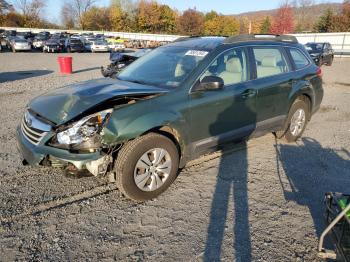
196, 53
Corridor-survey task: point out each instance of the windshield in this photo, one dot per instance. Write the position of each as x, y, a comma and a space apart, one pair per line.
314, 47
75, 41
100, 42
20, 40
167, 67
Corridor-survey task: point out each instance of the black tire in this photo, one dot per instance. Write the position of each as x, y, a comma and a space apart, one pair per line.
320, 62
330, 61
127, 158
303, 103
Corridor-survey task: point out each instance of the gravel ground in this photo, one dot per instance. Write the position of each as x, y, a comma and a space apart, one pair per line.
259, 201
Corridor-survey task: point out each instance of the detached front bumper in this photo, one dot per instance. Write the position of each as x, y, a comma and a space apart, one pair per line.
35, 154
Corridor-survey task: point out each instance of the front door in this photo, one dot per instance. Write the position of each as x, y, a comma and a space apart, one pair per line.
225, 114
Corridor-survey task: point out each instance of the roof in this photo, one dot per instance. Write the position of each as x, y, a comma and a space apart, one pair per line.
261, 37
200, 43
209, 43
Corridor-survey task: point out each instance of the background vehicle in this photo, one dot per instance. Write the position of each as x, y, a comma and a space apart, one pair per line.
99, 46
121, 60
20, 44
88, 42
39, 40
321, 53
116, 47
74, 45
52, 45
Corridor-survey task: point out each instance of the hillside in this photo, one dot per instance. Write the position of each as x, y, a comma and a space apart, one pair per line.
304, 17
314, 11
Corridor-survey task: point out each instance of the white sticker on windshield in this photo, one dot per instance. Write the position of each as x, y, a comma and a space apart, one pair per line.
196, 53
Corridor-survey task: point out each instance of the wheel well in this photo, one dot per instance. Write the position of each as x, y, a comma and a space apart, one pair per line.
170, 133
307, 99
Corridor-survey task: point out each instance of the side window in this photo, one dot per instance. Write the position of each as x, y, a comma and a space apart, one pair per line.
299, 59
269, 61
231, 66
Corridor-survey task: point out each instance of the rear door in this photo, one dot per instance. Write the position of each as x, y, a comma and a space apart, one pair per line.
273, 83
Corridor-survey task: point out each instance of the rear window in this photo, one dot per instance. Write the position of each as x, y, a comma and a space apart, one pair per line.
299, 58
269, 61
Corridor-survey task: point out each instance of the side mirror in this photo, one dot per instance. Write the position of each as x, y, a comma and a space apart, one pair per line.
210, 83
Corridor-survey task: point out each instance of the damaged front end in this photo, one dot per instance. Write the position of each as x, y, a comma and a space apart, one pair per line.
77, 145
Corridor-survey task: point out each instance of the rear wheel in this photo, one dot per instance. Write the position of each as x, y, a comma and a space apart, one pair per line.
146, 166
297, 119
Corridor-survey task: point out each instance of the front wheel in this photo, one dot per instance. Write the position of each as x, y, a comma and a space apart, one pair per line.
146, 166
298, 116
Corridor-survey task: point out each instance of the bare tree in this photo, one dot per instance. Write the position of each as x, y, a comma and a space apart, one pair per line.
303, 13
30, 8
78, 8
5, 7
68, 18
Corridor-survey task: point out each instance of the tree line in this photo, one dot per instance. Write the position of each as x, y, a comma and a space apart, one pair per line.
152, 17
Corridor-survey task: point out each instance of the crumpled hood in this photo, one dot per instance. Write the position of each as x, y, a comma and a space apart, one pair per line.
68, 102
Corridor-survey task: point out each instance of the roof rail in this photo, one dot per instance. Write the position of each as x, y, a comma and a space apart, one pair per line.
185, 38
262, 37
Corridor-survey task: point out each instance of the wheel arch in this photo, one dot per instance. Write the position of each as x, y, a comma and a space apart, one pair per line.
174, 135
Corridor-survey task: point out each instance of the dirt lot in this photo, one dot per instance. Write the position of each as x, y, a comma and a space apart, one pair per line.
261, 201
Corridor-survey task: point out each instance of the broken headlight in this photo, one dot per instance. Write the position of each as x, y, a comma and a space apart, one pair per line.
84, 130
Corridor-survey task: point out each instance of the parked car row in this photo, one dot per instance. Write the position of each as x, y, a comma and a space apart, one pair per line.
65, 42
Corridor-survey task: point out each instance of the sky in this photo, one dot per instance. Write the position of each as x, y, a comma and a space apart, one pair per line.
221, 6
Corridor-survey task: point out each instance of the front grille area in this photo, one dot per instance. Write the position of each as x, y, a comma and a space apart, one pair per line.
32, 134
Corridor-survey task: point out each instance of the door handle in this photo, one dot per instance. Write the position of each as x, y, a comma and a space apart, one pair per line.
249, 93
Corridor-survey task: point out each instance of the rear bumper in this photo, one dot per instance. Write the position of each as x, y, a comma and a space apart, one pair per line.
35, 154
21, 48
100, 49
52, 48
77, 49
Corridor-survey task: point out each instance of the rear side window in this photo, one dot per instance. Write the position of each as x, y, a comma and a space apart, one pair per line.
269, 61
299, 58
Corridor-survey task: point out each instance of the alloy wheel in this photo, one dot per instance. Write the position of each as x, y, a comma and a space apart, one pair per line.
152, 169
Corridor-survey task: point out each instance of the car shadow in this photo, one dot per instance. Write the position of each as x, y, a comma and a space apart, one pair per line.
231, 187
20, 75
311, 171
85, 70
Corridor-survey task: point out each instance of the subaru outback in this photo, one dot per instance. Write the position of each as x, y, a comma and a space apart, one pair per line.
172, 105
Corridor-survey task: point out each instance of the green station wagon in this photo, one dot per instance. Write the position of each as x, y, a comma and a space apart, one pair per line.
172, 105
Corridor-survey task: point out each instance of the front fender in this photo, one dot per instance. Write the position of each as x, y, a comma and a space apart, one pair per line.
119, 129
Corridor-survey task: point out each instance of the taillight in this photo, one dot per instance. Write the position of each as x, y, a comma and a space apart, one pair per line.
319, 72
